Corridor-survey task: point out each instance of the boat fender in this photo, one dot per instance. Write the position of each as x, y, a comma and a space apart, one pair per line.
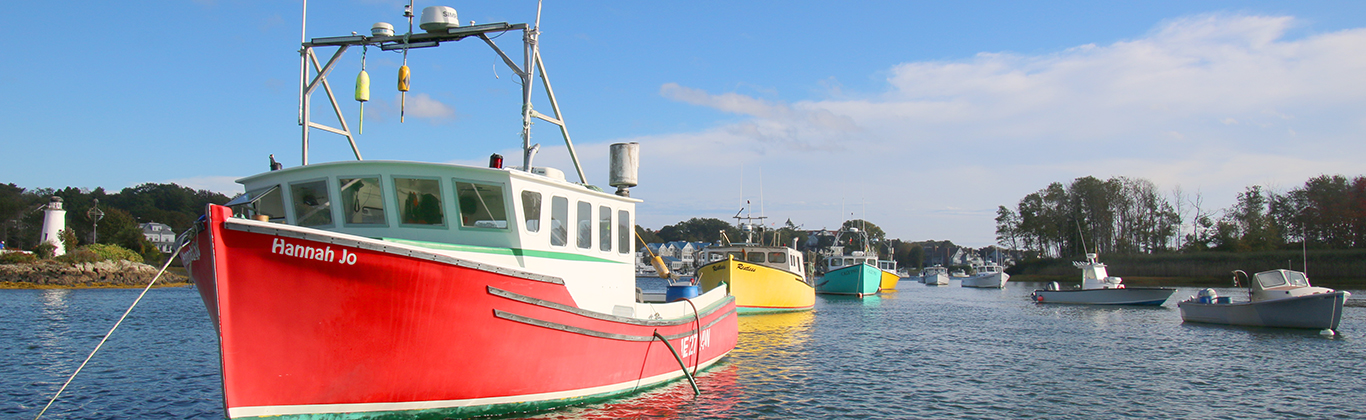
363, 86
1038, 298
403, 76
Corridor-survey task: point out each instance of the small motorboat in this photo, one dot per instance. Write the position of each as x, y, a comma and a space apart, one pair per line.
937, 275
987, 276
1276, 298
1099, 288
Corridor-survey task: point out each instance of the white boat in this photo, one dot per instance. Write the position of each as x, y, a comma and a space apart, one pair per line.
958, 274
1099, 288
987, 276
1276, 298
937, 275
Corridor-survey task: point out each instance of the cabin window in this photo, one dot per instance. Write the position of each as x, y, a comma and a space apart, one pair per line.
362, 201
559, 221
269, 202
585, 224
481, 205
777, 257
623, 231
420, 201
604, 228
1271, 279
755, 257
312, 206
531, 210
1297, 279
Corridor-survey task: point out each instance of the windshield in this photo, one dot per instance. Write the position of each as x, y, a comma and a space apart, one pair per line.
1270, 279
1297, 279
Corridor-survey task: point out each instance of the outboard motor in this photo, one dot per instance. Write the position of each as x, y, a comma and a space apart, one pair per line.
1052, 287
1206, 296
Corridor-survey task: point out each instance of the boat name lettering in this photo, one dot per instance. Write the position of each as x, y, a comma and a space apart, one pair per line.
312, 253
696, 343
745, 267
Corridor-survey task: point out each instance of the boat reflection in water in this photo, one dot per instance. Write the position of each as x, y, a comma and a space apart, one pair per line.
720, 393
775, 348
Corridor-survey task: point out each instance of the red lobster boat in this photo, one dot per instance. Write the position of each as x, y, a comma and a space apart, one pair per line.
404, 289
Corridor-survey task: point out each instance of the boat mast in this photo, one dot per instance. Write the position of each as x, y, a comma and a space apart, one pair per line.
531, 62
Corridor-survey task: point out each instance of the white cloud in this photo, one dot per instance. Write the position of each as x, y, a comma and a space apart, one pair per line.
421, 105
1213, 103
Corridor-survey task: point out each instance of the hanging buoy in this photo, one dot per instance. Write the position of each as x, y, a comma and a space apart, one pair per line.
403, 75
362, 95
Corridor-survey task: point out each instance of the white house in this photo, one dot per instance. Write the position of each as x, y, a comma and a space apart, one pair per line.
160, 235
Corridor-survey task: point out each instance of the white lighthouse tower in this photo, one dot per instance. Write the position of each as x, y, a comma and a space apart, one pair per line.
54, 220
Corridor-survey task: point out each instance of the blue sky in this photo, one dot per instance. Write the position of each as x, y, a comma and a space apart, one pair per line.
922, 117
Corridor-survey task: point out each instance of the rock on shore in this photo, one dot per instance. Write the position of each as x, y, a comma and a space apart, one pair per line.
112, 273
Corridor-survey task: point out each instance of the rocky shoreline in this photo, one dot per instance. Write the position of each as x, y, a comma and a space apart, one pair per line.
119, 273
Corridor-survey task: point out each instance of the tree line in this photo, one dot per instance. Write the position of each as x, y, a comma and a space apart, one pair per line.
21, 213
1129, 216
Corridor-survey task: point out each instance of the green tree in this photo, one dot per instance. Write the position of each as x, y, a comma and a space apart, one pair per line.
700, 230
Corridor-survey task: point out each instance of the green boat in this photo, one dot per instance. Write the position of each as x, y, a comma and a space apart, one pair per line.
850, 277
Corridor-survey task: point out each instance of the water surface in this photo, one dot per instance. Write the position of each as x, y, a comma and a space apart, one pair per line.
920, 352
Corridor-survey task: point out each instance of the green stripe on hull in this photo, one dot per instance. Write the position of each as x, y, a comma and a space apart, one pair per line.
756, 311
482, 410
519, 252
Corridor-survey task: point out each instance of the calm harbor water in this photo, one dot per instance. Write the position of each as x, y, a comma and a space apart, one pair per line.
920, 352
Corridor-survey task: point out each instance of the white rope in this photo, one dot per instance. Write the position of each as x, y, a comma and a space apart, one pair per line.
111, 332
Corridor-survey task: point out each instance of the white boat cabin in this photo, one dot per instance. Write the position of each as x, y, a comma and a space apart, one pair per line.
836, 262
780, 257
887, 265
505, 217
1280, 284
1094, 276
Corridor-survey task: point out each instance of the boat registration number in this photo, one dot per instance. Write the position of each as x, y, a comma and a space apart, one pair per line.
695, 343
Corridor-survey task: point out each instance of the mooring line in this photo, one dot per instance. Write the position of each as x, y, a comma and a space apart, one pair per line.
111, 330
695, 390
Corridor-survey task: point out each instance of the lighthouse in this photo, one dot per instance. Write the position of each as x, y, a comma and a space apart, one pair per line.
54, 220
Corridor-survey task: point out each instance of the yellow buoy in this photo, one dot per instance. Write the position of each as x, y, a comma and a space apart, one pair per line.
363, 86
362, 95
403, 75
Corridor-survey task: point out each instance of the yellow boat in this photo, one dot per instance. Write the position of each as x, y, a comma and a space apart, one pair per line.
889, 276
763, 279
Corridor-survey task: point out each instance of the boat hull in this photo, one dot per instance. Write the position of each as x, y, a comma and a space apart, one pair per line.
935, 280
313, 324
1127, 296
991, 281
1139, 296
1321, 311
889, 281
857, 280
758, 288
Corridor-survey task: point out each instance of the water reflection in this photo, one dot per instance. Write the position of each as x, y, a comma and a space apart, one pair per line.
867, 301
54, 298
720, 393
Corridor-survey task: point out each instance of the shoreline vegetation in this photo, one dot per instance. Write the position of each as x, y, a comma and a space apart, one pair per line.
106, 274
1339, 269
